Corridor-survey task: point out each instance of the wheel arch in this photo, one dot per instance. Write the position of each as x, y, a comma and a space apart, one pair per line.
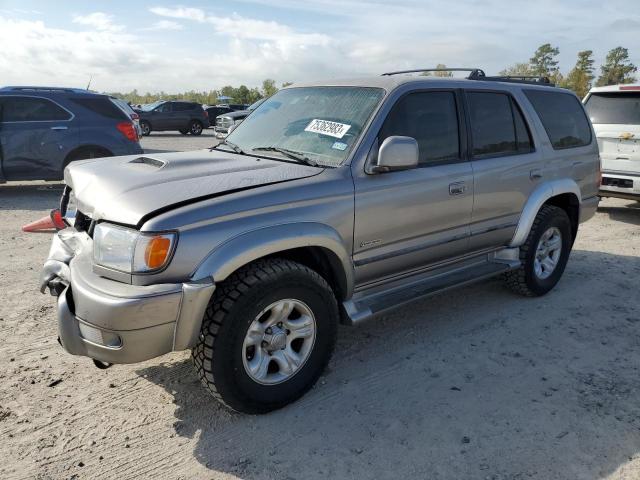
562, 193
315, 245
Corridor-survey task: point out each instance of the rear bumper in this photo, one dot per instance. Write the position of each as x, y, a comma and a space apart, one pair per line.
115, 322
620, 185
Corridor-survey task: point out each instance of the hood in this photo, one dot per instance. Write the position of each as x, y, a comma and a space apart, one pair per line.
131, 189
236, 114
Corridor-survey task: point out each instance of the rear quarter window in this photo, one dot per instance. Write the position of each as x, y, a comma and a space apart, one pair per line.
563, 118
101, 106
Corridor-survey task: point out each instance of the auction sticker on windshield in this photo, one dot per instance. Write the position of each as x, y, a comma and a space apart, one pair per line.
325, 127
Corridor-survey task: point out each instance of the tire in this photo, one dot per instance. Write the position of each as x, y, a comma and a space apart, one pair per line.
533, 278
145, 127
183, 131
195, 127
222, 358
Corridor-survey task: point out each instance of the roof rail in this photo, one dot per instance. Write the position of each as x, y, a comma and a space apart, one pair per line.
530, 79
474, 72
46, 89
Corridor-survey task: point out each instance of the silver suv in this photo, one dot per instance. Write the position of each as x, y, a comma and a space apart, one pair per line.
332, 202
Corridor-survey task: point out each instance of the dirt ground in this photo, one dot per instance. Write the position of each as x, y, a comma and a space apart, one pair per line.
476, 383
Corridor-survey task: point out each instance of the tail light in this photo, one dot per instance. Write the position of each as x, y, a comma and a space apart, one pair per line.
206, 114
135, 116
128, 130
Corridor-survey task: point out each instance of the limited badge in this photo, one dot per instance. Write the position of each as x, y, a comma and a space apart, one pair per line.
325, 127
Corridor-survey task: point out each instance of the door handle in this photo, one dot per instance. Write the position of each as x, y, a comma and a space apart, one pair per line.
59, 128
457, 188
535, 174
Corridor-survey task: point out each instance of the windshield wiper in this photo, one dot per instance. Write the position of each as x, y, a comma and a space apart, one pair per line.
231, 145
298, 156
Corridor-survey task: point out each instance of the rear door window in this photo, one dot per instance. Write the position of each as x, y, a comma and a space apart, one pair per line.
497, 125
614, 108
563, 118
183, 107
31, 109
432, 119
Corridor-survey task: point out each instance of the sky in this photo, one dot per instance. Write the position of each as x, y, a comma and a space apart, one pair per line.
202, 45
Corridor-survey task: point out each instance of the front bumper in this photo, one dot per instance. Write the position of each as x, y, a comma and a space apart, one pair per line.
115, 322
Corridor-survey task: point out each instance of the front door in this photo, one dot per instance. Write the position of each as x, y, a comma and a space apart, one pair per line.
406, 220
35, 135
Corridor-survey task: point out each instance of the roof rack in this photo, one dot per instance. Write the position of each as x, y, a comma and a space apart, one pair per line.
530, 79
478, 74
473, 71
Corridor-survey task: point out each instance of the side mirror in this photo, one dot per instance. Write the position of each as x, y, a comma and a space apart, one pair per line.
397, 153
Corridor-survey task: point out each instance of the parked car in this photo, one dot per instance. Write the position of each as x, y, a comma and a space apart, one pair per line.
330, 202
185, 117
215, 110
228, 121
43, 129
615, 114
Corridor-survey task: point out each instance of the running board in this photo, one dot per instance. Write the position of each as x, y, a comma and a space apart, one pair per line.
374, 301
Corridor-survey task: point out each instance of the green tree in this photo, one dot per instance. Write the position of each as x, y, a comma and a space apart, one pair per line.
544, 63
617, 68
286, 84
269, 87
581, 77
517, 70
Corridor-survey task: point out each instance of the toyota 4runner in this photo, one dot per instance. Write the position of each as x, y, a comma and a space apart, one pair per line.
332, 202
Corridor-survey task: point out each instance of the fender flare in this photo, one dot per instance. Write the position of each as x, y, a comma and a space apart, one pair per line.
537, 198
249, 246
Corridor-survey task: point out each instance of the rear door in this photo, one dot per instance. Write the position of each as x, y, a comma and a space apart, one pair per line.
35, 135
181, 115
406, 220
616, 121
506, 166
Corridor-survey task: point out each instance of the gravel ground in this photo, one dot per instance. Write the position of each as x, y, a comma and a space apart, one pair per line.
476, 383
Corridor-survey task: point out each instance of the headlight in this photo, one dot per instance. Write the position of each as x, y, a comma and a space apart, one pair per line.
128, 250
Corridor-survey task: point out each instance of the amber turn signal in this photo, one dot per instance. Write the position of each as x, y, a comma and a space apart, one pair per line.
157, 251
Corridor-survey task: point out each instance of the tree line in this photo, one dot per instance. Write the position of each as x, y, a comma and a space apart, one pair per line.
241, 94
617, 68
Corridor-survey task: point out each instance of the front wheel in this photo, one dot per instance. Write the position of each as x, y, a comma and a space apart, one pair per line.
544, 255
267, 335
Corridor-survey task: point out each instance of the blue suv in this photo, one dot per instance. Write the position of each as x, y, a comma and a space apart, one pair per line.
43, 129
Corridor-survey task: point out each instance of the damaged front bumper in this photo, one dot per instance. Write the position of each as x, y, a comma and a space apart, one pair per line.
115, 322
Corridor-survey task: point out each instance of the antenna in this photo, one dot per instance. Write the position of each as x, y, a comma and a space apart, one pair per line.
90, 78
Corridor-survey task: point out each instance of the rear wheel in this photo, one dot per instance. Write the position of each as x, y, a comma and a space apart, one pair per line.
195, 127
145, 127
544, 255
266, 336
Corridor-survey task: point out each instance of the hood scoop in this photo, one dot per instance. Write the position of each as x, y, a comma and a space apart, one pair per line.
152, 162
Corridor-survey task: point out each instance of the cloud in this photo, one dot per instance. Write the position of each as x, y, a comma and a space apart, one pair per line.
180, 12
165, 25
98, 20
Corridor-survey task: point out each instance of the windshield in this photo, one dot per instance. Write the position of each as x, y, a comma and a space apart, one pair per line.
614, 108
150, 106
255, 105
320, 123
